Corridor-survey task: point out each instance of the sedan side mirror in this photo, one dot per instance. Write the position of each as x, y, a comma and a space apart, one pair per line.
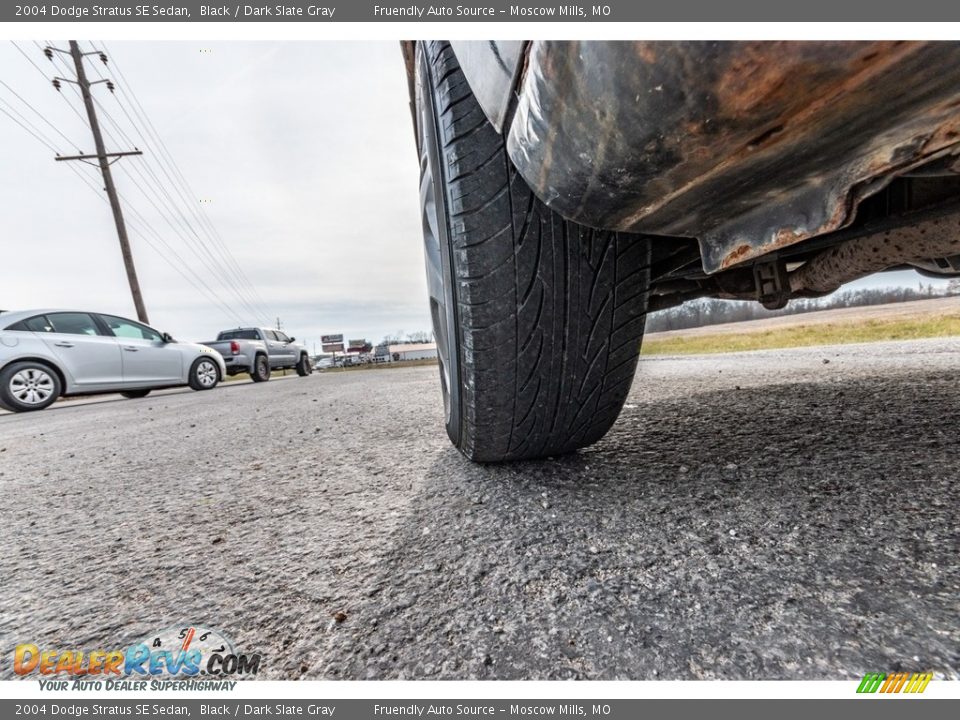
167, 338
293, 339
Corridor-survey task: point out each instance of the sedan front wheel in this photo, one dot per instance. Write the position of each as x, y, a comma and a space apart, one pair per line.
204, 374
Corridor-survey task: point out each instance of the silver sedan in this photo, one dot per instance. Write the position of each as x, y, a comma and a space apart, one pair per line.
46, 354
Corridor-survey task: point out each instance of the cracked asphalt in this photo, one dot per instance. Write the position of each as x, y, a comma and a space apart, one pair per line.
769, 515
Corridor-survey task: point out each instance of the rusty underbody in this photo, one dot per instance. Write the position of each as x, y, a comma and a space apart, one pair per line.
747, 160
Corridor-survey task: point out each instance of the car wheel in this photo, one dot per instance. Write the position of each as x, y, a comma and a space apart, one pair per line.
261, 369
28, 385
204, 374
134, 394
538, 320
303, 366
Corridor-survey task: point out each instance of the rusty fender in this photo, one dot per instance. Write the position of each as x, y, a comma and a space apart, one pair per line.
748, 147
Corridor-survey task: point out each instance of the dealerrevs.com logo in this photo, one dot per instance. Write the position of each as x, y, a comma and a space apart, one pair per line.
185, 651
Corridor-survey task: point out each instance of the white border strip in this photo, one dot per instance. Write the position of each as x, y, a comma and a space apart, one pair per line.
505, 690
500, 30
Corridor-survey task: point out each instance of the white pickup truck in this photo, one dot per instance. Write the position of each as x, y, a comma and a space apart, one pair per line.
259, 351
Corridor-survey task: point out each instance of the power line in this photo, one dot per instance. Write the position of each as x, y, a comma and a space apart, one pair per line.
231, 277
232, 267
127, 90
198, 244
103, 158
232, 316
200, 248
153, 188
160, 210
25, 127
163, 195
29, 59
40, 115
202, 287
83, 121
46, 77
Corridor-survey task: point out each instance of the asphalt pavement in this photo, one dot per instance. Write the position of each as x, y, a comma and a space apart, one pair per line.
769, 515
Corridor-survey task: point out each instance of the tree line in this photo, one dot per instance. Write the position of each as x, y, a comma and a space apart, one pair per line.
709, 311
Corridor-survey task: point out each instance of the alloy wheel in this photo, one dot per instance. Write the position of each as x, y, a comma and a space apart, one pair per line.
32, 386
207, 374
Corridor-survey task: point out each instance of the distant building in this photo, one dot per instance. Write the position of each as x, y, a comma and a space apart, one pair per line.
359, 346
406, 351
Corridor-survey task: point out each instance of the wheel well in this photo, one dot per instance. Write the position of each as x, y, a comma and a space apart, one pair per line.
45, 363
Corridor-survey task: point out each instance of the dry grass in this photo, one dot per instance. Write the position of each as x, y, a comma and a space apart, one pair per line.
801, 335
382, 366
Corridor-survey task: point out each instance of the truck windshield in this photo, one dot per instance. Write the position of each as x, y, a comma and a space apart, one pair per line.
239, 335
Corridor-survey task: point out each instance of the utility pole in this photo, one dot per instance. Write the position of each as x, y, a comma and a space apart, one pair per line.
104, 160
279, 327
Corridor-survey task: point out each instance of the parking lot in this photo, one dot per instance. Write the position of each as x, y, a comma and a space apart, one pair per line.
782, 514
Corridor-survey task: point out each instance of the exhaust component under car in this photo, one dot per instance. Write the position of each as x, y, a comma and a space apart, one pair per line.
926, 239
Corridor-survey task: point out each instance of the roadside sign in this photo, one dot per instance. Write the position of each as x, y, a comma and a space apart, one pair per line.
327, 339
332, 347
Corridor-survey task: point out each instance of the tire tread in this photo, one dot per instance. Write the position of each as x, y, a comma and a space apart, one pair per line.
551, 313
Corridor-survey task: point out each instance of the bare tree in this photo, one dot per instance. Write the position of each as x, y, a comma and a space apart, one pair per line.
420, 336
708, 311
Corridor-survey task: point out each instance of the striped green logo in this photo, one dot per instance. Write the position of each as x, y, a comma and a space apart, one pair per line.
903, 682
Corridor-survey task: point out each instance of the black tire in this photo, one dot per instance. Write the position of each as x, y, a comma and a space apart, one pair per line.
538, 320
135, 394
303, 366
200, 374
261, 369
28, 385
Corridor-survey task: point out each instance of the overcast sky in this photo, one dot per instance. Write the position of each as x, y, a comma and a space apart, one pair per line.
302, 155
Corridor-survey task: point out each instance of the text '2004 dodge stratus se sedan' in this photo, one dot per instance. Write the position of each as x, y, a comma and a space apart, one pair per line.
46, 354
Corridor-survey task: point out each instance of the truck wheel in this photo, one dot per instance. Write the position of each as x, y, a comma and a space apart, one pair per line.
303, 366
28, 385
134, 394
261, 369
538, 320
204, 374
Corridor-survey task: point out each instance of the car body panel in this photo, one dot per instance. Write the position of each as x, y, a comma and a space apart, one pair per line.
280, 354
240, 361
145, 357
747, 147
149, 361
98, 363
88, 362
